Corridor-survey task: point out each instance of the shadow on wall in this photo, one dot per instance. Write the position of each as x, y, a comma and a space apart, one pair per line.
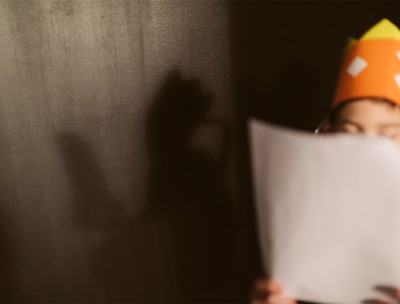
98, 212
186, 192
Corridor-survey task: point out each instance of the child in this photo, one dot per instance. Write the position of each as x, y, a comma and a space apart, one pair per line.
367, 101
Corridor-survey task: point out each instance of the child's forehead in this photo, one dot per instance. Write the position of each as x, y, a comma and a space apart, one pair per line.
371, 103
370, 109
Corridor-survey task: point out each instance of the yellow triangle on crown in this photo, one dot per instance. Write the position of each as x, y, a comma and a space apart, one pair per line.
384, 29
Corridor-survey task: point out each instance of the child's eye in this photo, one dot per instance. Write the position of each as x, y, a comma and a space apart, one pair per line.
348, 129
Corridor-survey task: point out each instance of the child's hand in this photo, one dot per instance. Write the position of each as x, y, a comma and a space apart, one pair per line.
392, 295
268, 292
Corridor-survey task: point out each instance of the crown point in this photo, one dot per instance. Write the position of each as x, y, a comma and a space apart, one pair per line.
384, 29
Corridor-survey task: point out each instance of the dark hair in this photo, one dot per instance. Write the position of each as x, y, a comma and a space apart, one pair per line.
335, 113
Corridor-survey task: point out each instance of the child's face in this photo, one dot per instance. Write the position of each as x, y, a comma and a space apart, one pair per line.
370, 118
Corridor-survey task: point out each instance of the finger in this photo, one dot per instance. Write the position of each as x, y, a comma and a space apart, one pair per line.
389, 291
259, 301
279, 299
268, 286
274, 287
259, 292
398, 294
263, 288
374, 301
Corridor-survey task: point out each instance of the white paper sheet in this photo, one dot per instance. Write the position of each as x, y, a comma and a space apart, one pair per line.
328, 210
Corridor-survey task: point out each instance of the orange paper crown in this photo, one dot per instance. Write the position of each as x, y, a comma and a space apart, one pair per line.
371, 66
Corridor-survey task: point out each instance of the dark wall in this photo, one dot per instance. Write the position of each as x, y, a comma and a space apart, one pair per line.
285, 60
117, 180
121, 179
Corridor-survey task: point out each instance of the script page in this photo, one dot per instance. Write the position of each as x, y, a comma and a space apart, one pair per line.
328, 211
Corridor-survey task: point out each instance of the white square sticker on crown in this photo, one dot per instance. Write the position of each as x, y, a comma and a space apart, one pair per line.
397, 79
356, 66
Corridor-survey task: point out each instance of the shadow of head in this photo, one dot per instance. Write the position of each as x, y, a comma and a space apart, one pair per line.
176, 111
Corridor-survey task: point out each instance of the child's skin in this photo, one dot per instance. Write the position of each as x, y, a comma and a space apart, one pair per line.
362, 116
369, 117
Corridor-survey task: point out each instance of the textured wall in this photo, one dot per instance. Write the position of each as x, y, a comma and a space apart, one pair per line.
80, 216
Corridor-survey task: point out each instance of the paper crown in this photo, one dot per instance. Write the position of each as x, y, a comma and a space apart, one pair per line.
371, 66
